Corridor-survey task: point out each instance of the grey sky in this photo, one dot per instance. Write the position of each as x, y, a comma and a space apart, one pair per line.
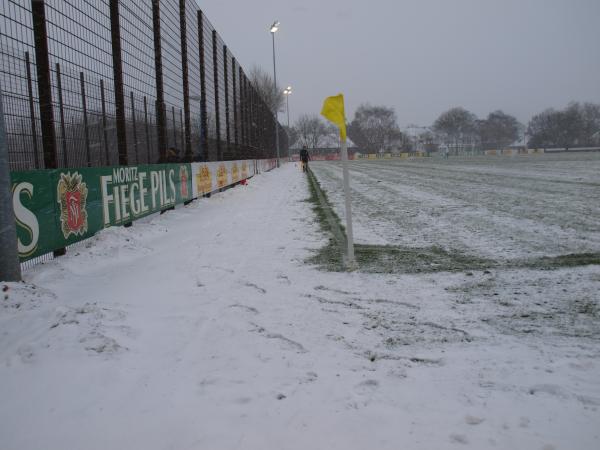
422, 56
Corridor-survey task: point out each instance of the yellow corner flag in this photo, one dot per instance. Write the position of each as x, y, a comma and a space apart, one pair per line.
333, 110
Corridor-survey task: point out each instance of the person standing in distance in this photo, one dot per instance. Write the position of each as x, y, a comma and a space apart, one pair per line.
304, 157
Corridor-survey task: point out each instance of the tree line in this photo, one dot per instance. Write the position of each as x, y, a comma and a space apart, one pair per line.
374, 128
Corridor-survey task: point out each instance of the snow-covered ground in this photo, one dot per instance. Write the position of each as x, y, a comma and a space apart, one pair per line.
500, 208
204, 328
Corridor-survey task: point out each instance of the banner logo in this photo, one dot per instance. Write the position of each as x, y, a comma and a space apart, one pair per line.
204, 180
235, 173
222, 176
72, 196
183, 176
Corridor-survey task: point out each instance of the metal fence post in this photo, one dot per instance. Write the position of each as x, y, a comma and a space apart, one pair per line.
226, 85
10, 268
147, 128
253, 119
242, 110
217, 110
244, 97
115, 29
187, 142
183, 133
104, 134
161, 116
42, 60
61, 113
235, 107
32, 111
251, 116
86, 132
247, 115
203, 109
174, 127
135, 138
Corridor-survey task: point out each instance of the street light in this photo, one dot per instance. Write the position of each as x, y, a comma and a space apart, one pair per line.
273, 30
287, 93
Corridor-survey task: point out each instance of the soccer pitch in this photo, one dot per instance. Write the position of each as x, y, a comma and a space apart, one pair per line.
515, 211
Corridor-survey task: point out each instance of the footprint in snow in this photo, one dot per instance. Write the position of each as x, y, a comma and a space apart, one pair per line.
284, 279
472, 420
291, 344
337, 291
242, 400
222, 269
310, 377
245, 308
367, 386
459, 439
258, 288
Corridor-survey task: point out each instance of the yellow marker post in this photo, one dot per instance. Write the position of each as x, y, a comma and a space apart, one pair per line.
333, 110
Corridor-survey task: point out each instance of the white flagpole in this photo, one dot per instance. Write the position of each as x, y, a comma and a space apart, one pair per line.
350, 262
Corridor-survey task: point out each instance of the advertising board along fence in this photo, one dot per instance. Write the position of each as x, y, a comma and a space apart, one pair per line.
59, 207
265, 165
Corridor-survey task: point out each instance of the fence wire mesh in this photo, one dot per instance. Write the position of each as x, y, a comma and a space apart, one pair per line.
107, 82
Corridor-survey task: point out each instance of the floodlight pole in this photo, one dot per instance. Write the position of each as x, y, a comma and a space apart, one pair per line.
287, 108
288, 92
274, 29
10, 268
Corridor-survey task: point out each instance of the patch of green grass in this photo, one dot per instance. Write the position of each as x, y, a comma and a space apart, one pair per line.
554, 262
398, 259
327, 218
379, 258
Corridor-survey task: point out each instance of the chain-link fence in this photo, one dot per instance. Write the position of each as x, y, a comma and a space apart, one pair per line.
108, 82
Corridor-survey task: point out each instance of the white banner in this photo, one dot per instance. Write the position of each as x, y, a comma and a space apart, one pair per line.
211, 176
264, 165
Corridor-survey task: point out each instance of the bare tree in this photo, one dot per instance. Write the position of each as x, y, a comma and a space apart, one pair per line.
456, 127
573, 126
374, 128
590, 129
456, 123
312, 131
265, 86
293, 135
498, 130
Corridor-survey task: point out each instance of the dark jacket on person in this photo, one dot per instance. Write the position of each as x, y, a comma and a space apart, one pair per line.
304, 156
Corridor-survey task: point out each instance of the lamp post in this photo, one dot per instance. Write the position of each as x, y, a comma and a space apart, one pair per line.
287, 93
273, 30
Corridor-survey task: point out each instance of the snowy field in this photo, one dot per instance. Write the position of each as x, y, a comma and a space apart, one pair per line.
490, 207
206, 328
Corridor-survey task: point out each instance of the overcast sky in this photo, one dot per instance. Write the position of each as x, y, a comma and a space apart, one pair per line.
421, 56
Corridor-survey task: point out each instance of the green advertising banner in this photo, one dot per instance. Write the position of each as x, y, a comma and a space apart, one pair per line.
35, 212
55, 208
